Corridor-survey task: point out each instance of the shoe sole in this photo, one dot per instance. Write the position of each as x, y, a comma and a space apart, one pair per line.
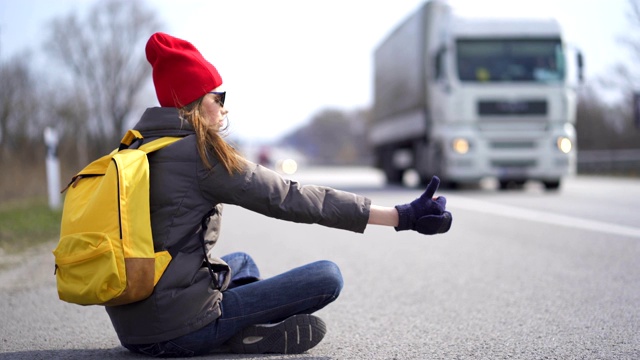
294, 335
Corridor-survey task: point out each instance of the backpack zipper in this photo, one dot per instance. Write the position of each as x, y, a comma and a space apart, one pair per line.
74, 181
118, 186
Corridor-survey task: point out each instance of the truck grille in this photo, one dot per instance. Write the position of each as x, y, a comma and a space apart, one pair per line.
509, 145
521, 164
530, 107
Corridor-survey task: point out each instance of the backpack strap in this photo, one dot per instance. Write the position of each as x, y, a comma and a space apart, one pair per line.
129, 138
158, 144
213, 268
177, 247
132, 136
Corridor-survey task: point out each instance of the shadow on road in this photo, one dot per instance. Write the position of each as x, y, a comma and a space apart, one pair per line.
115, 353
122, 353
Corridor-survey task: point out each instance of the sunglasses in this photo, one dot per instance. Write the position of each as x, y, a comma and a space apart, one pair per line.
219, 96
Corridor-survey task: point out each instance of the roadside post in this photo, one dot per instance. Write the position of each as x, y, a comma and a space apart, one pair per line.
53, 167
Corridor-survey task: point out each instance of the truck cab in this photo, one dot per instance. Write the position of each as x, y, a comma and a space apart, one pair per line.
494, 99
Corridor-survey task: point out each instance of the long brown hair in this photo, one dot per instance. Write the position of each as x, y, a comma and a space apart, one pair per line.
208, 138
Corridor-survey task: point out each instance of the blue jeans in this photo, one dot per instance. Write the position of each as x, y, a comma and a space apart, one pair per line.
247, 301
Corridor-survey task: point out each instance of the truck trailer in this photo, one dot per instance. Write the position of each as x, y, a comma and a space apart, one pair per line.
467, 98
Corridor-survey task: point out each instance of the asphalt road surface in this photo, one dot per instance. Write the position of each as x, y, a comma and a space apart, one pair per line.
523, 274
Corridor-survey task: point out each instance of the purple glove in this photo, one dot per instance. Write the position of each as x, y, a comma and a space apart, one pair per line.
425, 214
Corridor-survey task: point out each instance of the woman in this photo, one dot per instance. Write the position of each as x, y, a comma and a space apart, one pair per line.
200, 304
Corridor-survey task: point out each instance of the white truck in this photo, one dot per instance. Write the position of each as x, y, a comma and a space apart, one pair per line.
470, 98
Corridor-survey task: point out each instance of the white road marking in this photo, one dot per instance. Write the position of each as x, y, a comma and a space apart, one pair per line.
541, 216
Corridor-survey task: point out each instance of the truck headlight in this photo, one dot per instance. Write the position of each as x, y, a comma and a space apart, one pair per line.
460, 145
564, 144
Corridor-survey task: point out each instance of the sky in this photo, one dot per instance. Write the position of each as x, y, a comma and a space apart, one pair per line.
283, 61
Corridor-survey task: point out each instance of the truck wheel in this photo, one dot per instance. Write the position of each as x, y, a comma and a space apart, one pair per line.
450, 184
444, 183
384, 161
439, 169
551, 185
393, 175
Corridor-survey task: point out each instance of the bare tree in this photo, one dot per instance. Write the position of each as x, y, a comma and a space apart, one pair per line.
606, 118
17, 103
104, 53
631, 39
594, 133
69, 113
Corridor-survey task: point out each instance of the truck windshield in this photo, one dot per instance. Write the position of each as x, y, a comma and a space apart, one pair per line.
510, 60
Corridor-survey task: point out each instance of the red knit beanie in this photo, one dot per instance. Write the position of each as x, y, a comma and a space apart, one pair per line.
180, 73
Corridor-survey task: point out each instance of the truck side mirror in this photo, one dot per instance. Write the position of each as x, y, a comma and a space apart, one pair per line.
580, 62
439, 63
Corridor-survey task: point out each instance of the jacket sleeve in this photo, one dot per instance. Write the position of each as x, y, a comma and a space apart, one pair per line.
264, 191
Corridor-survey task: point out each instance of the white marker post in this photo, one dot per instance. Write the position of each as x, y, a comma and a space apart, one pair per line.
53, 167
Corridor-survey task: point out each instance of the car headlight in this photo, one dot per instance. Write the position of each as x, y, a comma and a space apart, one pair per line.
287, 166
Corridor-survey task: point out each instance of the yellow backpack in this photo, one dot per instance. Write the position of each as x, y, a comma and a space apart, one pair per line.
105, 255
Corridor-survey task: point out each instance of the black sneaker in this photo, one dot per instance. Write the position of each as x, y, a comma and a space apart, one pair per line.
294, 335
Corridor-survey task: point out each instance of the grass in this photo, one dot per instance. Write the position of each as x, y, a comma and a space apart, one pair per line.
27, 223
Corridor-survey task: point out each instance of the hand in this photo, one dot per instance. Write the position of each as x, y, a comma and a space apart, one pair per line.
426, 214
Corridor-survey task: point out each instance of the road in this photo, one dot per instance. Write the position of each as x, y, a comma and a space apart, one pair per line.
523, 274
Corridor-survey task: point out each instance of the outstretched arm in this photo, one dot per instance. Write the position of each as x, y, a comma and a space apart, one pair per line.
383, 215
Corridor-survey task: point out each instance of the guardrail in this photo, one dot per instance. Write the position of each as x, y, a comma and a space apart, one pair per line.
626, 162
